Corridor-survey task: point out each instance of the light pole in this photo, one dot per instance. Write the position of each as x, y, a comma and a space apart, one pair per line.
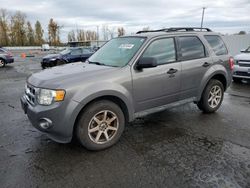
203, 11
97, 33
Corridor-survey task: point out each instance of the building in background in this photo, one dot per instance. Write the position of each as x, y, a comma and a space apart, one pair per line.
236, 43
90, 43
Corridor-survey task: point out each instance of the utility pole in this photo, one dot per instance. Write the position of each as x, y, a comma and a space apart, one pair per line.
97, 33
203, 11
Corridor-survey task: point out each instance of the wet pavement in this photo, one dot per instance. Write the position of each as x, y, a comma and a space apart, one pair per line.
179, 147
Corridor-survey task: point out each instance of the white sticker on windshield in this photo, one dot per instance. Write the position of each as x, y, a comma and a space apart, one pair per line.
126, 46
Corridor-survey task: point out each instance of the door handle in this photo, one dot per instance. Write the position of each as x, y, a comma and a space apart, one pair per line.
206, 64
172, 71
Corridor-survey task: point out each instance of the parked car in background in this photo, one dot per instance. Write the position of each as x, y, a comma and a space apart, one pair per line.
45, 47
69, 55
242, 65
6, 57
126, 78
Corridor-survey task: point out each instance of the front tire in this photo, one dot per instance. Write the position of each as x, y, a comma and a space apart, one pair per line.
212, 97
100, 125
59, 62
2, 63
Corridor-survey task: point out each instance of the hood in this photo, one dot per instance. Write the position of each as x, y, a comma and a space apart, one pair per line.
69, 74
49, 56
242, 56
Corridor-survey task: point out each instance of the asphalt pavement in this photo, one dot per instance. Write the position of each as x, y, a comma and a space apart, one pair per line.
179, 147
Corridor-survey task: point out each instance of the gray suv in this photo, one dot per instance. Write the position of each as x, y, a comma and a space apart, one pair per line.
128, 77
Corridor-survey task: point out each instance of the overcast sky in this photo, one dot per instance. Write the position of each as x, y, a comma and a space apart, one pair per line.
226, 16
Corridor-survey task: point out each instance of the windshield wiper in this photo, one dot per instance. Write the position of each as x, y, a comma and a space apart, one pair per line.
103, 64
96, 63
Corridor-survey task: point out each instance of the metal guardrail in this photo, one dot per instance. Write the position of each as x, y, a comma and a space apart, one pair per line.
32, 48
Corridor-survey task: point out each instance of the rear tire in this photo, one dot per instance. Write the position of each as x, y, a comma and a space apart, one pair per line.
2, 63
237, 80
100, 125
212, 97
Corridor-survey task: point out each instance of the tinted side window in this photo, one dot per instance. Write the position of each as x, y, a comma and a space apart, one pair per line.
191, 48
76, 52
163, 50
86, 51
217, 44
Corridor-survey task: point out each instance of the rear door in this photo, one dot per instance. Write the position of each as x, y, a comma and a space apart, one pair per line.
194, 61
219, 48
159, 85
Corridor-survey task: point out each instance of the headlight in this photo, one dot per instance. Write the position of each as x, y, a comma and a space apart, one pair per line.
47, 96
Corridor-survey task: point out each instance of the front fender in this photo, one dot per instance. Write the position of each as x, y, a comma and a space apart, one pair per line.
98, 90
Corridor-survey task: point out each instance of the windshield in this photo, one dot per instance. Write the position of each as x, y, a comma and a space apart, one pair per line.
65, 52
248, 49
117, 52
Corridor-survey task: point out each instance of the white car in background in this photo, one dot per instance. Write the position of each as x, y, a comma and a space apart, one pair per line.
45, 47
242, 65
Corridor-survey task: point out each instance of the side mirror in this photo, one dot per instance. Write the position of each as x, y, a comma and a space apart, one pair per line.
243, 50
146, 62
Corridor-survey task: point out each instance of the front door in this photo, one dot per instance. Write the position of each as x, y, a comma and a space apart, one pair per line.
75, 55
160, 85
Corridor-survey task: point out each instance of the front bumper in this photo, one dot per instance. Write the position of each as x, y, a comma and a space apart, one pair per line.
48, 63
9, 60
61, 115
241, 72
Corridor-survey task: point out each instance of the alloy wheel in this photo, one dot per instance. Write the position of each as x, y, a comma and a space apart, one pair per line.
1, 63
215, 96
103, 127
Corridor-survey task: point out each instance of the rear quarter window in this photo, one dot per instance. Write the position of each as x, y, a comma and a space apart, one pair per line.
216, 44
191, 47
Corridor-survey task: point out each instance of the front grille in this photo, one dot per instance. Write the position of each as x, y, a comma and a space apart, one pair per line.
244, 63
45, 60
30, 94
239, 73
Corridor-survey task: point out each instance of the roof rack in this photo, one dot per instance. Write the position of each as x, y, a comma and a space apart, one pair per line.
172, 29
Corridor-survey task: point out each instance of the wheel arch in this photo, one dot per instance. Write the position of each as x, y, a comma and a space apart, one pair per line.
218, 76
117, 100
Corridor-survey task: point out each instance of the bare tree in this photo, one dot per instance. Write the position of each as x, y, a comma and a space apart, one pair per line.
18, 30
71, 36
38, 33
80, 35
242, 33
121, 31
54, 32
105, 32
4, 28
30, 34
90, 35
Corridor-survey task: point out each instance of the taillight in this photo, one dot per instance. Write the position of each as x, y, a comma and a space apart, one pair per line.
231, 63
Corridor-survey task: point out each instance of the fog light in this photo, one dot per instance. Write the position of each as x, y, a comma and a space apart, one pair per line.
45, 123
